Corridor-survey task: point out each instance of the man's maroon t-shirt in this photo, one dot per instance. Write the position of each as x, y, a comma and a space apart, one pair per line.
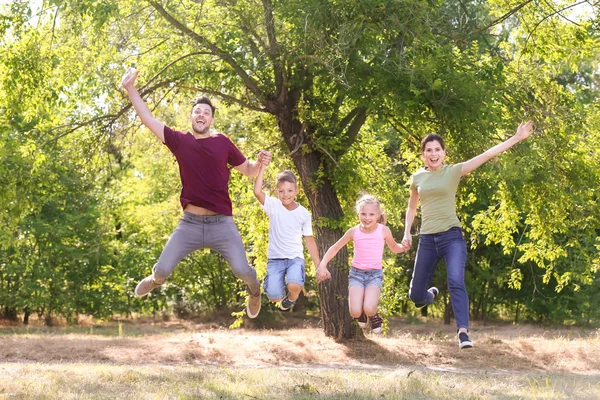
203, 168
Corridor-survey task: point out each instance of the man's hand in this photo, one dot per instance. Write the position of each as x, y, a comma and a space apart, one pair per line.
264, 157
129, 77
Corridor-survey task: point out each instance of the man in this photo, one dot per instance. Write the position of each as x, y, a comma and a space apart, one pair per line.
203, 158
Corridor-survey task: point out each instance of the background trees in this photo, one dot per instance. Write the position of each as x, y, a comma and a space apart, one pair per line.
341, 92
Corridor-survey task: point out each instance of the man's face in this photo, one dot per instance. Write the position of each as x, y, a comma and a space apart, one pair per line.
202, 118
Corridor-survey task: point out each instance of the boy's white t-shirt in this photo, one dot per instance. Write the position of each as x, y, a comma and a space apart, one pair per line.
286, 229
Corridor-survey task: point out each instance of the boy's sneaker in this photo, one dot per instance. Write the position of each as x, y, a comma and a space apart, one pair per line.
145, 286
376, 323
463, 341
286, 303
362, 321
253, 307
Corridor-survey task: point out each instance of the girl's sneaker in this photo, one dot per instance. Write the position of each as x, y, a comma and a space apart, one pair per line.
362, 321
463, 341
376, 323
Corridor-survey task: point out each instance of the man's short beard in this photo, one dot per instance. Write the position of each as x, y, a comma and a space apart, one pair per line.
204, 132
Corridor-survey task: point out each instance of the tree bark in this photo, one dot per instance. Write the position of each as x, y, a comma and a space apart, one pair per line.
324, 203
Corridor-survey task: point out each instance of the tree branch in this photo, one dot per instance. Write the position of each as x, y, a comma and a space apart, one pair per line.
214, 49
355, 119
504, 17
274, 53
111, 118
224, 97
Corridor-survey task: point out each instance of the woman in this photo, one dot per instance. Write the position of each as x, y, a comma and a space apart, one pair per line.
441, 234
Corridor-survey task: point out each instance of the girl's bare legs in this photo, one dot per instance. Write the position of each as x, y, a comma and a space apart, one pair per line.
356, 296
371, 300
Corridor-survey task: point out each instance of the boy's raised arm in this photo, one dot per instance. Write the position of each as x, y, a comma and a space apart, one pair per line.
258, 192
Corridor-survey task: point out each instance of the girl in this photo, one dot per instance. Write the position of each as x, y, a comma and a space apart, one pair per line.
366, 274
441, 235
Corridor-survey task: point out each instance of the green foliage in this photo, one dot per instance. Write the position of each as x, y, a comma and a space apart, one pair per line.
90, 200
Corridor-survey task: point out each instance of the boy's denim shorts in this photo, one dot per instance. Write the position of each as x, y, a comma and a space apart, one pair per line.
280, 272
365, 277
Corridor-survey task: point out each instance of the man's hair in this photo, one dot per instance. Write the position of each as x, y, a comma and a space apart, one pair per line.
204, 100
430, 138
285, 176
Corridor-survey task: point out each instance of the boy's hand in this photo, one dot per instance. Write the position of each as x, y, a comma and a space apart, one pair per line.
322, 274
264, 157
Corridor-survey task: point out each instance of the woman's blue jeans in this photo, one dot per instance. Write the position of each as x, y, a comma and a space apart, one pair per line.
449, 245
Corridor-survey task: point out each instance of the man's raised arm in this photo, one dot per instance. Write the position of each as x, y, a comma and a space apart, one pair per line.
156, 126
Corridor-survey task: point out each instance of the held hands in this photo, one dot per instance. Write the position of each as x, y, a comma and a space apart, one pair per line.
264, 157
322, 273
524, 130
407, 242
129, 77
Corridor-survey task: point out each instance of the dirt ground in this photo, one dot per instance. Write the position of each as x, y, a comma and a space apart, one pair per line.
289, 341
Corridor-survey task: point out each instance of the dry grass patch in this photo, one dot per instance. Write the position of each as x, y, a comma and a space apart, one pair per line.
429, 344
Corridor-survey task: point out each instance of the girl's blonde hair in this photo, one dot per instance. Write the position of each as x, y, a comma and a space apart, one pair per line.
370, 199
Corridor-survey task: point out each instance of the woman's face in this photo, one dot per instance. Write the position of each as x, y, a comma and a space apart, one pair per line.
433, 155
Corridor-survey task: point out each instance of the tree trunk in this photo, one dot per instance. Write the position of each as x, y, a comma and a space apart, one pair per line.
324, 203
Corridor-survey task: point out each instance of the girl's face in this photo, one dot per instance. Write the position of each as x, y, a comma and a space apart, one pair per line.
369, 215
433, 155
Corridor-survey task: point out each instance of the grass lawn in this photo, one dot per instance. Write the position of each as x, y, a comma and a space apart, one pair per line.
190, 360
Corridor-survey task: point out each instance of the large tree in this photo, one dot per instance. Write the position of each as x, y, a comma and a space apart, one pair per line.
337, 76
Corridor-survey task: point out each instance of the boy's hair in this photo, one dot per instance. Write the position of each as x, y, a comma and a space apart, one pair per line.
204, 100
285, 176
370, 199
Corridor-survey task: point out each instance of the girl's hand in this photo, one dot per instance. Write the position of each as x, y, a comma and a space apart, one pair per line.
405, 248
322, 274
407, 242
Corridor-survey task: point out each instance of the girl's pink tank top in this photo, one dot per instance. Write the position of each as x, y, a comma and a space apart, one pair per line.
368, 248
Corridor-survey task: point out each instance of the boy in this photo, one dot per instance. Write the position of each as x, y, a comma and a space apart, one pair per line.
288, 222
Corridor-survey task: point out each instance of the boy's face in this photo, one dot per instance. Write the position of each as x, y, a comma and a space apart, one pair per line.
286, 192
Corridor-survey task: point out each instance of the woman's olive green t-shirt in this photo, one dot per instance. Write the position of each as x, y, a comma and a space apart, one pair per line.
437, 194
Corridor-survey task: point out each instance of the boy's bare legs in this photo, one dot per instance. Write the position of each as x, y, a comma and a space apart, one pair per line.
293, 291
290, 298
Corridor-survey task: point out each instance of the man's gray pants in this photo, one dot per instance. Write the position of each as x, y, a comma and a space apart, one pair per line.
215, 232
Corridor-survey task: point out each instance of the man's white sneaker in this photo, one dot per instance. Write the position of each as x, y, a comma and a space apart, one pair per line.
145, 286
253, 307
